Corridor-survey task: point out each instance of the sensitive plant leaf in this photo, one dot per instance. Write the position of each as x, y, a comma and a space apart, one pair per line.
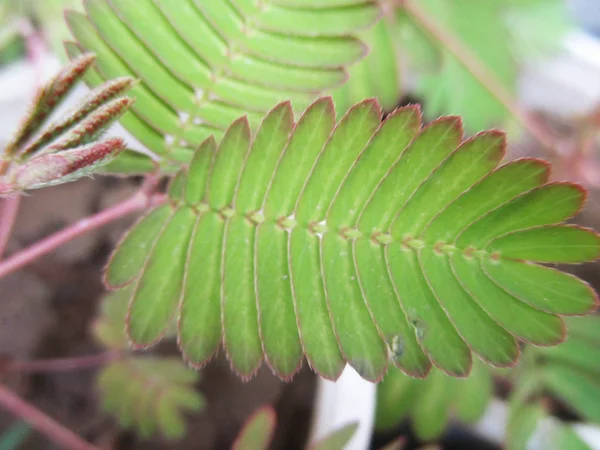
530, 427
394, 386
571, 370
570, 373
337, 439
432, 402
108, 327
579, 390
522, 422
377, 74
500, 35
258, 430
537, 27
202, 65
147, 136
349, 242
150, 394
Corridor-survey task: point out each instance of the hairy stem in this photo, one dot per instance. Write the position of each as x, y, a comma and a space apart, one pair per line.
30, 254
8, 214
64, 364
485, 76
53, 430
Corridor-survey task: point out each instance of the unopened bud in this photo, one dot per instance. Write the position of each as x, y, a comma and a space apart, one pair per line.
94, 100
63, 167
47, 99
93, 125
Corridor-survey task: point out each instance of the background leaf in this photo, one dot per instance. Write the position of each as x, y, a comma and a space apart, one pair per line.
502, 36
337, 440
258, 430
150, 394
378, 74
430, 403
569, 372
203, 65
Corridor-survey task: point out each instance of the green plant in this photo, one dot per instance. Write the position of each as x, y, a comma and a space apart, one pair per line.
203, 65
465, 55
257, 434
336, 242
568, 372
285, 234
148, 393
430, 403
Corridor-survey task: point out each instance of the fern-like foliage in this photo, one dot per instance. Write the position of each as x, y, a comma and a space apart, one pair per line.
70, 147
430, 403
377, 74
569, 372
149, 394
346, 242
204, 64
499, 35
530, 426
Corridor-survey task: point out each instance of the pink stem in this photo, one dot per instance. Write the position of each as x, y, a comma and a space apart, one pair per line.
485, 76
64, 364
53, 430
27, 255
10, 206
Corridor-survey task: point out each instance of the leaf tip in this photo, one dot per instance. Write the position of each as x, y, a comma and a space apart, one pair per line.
270, 416
453, 123
284, 376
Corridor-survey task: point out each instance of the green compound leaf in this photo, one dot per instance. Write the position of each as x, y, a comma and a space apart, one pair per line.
530, 427
150, 394
432, 402
498, 34
108, 327
201, 65
378, 73
351, 242
569, 372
